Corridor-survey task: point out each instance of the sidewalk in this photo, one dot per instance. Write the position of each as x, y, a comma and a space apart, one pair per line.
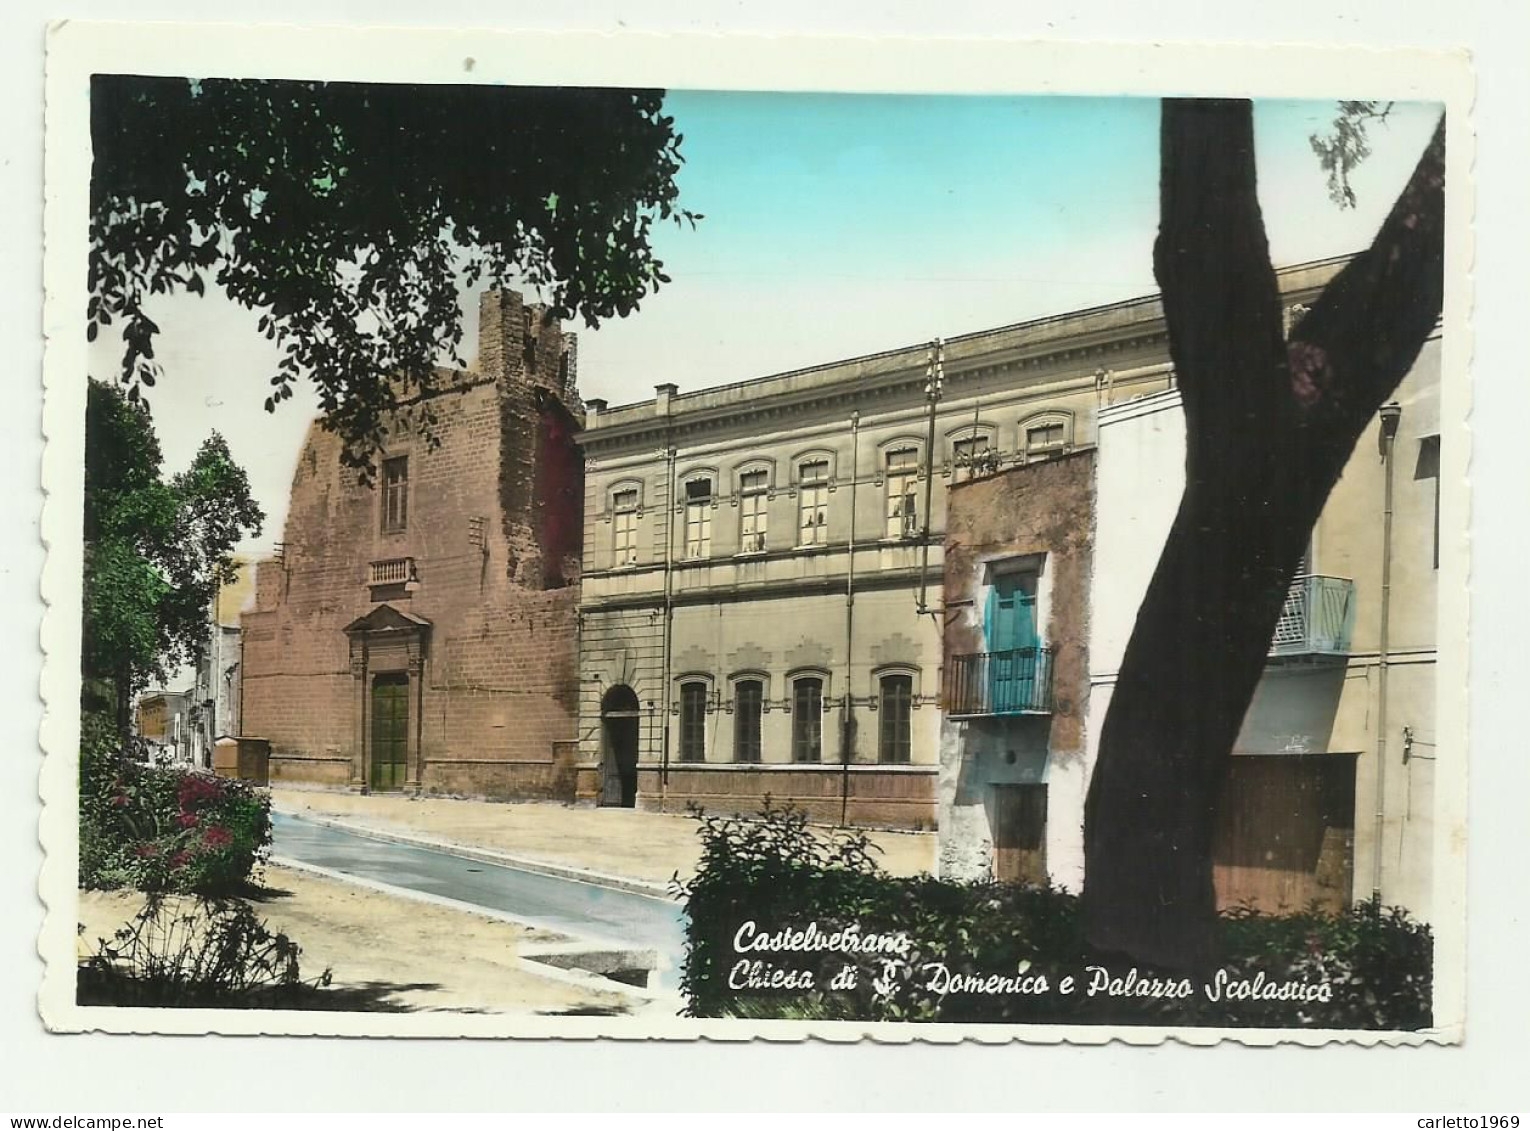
649, 847
390, 954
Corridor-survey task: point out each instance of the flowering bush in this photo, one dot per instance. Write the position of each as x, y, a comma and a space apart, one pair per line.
786, 921
160, 829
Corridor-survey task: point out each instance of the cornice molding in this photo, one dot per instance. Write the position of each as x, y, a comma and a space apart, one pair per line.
1140, 327
852, 392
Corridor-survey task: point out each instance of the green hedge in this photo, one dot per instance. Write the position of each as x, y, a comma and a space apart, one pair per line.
161, 829
991, 952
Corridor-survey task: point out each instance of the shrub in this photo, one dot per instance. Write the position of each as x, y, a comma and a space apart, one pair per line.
1373, 964
160, 829
196, 953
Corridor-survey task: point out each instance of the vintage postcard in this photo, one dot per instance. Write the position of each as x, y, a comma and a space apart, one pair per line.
630, 536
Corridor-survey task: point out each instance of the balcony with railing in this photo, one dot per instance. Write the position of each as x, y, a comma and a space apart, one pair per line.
1016, 682
389, 572
1318, 618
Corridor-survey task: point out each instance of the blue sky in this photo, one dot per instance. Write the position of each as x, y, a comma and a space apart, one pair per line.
845, 224
837, 225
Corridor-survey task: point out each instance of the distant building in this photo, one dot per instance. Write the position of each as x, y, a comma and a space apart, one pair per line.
167, 723
421, 634
216, 690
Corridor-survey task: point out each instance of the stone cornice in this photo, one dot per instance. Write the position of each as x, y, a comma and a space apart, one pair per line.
1077, 339
853, 391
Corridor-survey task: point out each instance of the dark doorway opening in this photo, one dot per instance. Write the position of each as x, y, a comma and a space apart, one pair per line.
1020, 833
619, 715
390, 730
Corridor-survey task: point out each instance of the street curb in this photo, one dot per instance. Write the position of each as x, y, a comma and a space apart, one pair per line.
491, 856
529, 956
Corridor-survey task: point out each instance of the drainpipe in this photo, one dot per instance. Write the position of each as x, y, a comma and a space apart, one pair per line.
845, 716
1390, 416
669, 620
934, 379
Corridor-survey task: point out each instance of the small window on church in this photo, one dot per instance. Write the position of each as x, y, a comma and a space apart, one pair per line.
395, 492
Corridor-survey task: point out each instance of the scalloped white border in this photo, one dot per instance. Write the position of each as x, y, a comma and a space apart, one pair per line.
696, 61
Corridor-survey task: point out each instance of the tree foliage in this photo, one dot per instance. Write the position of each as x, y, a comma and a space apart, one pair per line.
1346, 145
345, 213
156, 550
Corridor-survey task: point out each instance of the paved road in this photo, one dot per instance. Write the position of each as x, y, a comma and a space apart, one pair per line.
615, 917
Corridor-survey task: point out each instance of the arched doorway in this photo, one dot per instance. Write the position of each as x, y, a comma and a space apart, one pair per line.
619, 714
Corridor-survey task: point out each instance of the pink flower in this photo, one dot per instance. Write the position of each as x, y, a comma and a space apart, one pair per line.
196, 788
180, 859
120, 800
217, 837
186, 820
146, 850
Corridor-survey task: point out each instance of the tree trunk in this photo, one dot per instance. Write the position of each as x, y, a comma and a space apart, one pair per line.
123, 684
1269, 426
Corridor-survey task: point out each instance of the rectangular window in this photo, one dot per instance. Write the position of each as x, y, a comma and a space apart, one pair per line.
971, 457
753, 499
1044, 440
1429, 468
698, 518
813, 503
693, 722
895, 703
395, 494
748, 699
807, 720
625, 506
902, 509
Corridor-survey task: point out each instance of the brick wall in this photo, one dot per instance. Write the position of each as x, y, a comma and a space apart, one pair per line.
492, 705
1040, 509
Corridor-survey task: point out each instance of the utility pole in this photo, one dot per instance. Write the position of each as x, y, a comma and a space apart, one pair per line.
934, 380
1391, 414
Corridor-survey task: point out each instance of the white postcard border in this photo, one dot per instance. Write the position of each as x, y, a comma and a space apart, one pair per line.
721, 62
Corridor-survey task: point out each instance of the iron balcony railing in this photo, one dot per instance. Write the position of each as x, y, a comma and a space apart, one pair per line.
1318, 618
1016, 682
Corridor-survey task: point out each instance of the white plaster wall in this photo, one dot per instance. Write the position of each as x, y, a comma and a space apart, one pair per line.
1140, 474
976, 754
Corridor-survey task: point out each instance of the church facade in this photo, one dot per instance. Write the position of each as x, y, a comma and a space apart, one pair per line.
418, 635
